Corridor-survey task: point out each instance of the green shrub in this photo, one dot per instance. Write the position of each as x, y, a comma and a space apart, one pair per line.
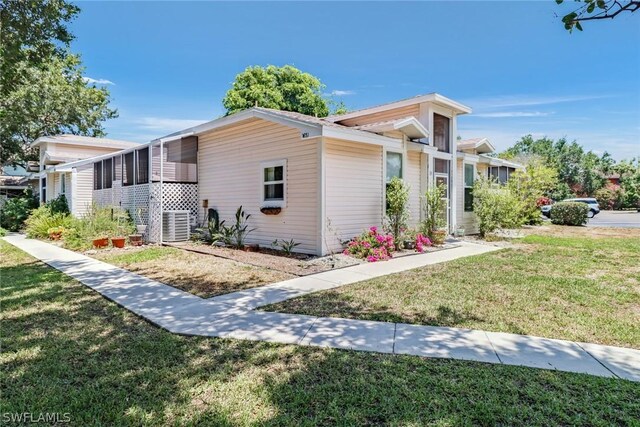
17, 209
59, 205
42, 219
434, 210
3, 232
397, 208
495, 207
569, 213
97, 222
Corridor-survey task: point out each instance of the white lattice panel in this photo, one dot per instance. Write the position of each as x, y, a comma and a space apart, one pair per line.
175, 197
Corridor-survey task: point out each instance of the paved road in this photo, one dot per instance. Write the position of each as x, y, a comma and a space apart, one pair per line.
626, 219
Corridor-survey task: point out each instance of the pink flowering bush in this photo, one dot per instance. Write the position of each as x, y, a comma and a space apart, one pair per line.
371, 245
422, 242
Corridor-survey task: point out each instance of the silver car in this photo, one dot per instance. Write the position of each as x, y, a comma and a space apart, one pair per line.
594, 207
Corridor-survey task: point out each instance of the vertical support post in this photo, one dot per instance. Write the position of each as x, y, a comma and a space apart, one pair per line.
161, 185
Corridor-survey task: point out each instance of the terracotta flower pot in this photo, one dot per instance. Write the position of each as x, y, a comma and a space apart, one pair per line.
101, 242
251, 248
438, 236
135, 240
118, 242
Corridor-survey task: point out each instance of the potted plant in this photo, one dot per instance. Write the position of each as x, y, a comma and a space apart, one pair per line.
135, 239
434, 208
55, 233
118, 241
140, 228
100, 241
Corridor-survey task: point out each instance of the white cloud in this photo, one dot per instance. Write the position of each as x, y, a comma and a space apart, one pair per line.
91, 80
342, 92
504, 114
163, 124
495, 102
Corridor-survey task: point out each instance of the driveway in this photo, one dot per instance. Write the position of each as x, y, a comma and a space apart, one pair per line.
625, 219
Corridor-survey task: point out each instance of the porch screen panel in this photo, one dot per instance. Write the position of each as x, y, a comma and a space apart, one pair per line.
179, 161
97, 176
142, 166
128, 172
107, 166
117, 168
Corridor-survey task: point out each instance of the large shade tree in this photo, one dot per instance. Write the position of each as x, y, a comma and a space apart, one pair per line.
42, 90
283, 88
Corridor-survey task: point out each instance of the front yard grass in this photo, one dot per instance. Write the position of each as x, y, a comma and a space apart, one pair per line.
202, 275
65, 349
576, 288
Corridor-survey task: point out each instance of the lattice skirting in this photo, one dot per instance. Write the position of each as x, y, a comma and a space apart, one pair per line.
143, 202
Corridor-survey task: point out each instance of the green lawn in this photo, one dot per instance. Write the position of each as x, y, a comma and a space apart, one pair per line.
576, 288
66, 349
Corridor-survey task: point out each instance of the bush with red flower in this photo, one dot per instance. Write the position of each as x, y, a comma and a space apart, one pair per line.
371, 245
422, 242
543, 201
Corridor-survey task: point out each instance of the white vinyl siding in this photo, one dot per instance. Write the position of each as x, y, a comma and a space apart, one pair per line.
413, 177
354, 189
229, 174
83, 190
466, 219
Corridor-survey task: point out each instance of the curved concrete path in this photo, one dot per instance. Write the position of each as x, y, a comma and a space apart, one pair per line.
234, 316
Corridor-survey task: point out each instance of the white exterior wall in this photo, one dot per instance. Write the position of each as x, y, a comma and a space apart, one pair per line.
354, 189
468, 220
230, 175
413, 176
82, 184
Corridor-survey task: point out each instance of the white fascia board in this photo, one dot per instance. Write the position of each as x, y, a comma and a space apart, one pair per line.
420, 130
431, 97
242, 116
422, 148
472, 158
441, 155
360, 136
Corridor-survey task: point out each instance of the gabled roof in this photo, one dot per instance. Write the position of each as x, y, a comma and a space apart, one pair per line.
88, 141
308, 125
435, 98
478, 145
410, 126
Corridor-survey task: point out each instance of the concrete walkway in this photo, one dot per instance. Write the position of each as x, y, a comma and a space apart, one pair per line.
234, 316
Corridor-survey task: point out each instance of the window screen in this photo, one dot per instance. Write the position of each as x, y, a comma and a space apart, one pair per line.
97, 176
108, 173
441, 137
143, 165
128, 175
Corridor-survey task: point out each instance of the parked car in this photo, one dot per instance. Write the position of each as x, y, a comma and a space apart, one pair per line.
594, 207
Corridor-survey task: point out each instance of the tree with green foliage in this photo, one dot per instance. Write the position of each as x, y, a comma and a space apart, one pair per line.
528, 185
495, 206
590, 10
281, 88
42, 90
629, 173
578, 172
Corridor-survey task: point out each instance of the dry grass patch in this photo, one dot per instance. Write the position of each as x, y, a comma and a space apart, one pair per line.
202, 275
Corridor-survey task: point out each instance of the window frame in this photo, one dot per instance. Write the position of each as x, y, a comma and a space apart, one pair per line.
263, 183
465, 186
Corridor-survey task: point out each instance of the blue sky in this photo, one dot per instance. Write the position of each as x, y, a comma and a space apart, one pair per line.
169, 64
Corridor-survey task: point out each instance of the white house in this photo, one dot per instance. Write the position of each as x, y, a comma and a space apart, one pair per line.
318, 181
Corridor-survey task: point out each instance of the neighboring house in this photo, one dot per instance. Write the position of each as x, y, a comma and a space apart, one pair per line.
323, 179
60, 150
15, 179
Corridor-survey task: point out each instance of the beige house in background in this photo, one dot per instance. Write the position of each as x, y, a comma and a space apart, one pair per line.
318, 181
